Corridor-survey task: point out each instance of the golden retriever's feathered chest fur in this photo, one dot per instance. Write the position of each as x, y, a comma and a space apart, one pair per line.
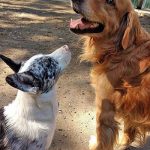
124, 78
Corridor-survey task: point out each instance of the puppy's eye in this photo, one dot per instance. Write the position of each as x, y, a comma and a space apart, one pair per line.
110, 1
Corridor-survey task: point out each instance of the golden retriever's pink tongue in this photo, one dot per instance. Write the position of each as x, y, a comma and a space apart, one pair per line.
79, 24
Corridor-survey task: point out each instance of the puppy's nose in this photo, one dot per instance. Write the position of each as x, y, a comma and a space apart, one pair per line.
66, 48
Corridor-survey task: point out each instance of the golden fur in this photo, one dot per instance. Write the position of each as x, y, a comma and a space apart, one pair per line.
121, 72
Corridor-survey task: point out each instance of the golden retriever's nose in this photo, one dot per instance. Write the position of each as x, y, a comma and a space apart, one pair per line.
77, 1
76, 5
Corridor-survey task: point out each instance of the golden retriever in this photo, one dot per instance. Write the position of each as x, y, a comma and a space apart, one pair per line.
119, 49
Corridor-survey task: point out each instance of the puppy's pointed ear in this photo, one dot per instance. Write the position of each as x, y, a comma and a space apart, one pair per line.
24, 82
12, 64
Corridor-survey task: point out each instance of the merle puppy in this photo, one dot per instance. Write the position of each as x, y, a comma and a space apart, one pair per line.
28, 123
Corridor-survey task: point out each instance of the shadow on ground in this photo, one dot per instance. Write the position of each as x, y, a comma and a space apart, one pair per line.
40, 26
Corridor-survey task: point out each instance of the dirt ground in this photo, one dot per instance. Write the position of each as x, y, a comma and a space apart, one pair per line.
40, 26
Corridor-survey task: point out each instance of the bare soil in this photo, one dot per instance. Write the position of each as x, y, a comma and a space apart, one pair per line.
41, 26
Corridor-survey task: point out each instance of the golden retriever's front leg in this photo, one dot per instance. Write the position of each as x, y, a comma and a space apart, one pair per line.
107, 127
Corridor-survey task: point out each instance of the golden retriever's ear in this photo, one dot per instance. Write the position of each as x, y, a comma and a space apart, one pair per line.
126, 33
127, 37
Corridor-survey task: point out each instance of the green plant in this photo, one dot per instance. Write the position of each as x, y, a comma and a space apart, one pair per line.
147, 5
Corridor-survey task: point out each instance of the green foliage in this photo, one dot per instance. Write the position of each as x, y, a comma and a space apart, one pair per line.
147, 5
134, 2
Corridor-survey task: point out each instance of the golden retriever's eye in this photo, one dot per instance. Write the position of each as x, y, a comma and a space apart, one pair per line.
110, 1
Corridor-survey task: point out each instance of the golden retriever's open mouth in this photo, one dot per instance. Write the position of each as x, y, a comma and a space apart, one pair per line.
83, 26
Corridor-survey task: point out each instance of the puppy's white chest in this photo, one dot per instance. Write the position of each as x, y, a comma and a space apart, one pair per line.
48, 107
33, 119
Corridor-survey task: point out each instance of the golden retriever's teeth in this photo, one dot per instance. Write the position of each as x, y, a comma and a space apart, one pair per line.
92, 26
95, 25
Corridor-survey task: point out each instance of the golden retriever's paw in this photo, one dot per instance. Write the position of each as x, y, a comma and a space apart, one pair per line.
92, 142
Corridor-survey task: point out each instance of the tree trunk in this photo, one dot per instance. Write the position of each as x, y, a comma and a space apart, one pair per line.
141, 4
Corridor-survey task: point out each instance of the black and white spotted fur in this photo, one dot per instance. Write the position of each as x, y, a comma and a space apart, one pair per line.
28, 123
